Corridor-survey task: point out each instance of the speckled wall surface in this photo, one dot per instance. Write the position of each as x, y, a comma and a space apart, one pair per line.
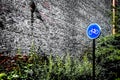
63, 29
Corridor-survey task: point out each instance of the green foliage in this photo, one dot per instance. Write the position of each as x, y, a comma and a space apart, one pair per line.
55, 68
117, 17
108, 57
2, 76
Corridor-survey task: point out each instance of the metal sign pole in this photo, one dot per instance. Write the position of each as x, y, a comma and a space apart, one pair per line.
93, 32
93, 59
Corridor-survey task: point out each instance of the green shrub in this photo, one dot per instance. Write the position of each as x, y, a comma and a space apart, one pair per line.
48, 67
56, 68
3, 76
108, 57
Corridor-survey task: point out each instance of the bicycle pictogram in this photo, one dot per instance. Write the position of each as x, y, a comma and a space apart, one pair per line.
93, 31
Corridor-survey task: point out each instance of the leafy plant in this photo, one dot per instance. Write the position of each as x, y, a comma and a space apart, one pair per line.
48, 67
108, 57
2, 76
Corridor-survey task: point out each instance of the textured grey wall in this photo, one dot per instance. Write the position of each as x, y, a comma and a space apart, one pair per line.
64, 27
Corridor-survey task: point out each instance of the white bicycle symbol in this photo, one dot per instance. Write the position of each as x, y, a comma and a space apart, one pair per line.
93, 31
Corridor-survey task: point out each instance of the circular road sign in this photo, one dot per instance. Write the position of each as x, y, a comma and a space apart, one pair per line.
93, 31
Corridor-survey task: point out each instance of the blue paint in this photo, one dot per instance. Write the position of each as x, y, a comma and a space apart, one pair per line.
93, 31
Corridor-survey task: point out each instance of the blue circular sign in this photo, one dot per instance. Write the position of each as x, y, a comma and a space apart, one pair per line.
93, 31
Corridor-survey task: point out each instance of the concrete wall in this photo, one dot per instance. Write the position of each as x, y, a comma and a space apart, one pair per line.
63, 29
